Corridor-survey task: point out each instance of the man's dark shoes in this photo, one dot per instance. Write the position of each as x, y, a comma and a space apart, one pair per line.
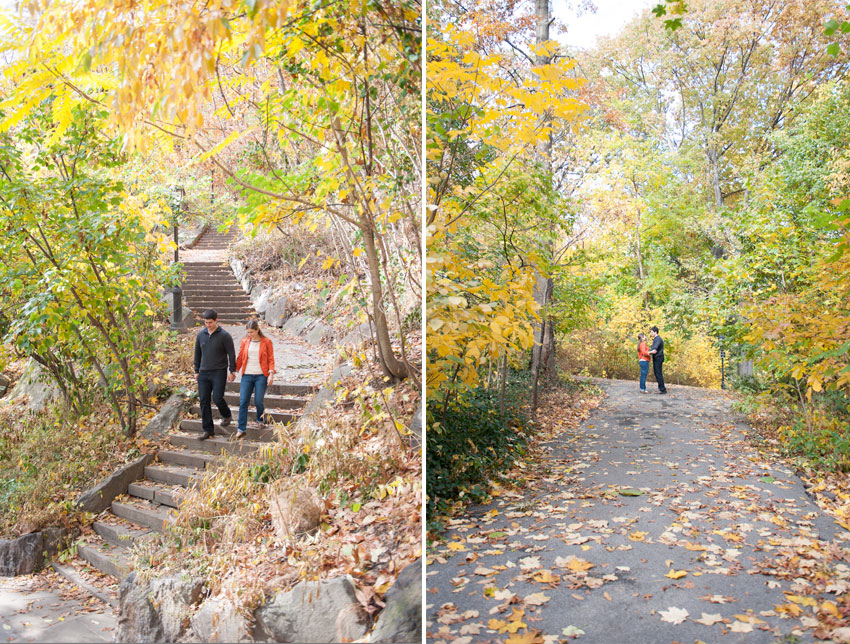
226, 421
206, 435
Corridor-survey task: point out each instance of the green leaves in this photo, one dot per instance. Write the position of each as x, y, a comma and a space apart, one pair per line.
84, 272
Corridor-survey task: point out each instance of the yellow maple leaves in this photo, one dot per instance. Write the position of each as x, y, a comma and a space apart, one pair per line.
481, 311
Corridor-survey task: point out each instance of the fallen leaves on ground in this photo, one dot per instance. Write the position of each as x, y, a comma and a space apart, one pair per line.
727, 512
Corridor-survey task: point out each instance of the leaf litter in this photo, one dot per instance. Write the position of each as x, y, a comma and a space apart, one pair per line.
722, 521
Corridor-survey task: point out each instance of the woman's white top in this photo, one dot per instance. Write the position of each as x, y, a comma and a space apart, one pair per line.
252, 366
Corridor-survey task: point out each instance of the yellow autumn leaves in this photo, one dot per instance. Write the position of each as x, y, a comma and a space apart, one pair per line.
481, 307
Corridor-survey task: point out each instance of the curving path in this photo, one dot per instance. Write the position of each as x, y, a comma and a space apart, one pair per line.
654, 513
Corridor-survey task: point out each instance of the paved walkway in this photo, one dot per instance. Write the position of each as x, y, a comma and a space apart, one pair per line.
46, 608
654, 513
297, 361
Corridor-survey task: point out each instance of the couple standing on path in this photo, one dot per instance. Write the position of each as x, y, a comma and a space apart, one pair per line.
657, 353
214, 355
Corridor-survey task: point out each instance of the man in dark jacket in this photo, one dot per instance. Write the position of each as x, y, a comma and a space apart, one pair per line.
657, 353
214, 353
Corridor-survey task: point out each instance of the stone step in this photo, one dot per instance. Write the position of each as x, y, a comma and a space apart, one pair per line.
229, 302
195, 267
230, 318
120, 533
206, 275
223, 308
72, 574
254, 433
270, 414
144, 513
197, 460
171, 474
240, 321
216, 444
107, 559
158, 494
272, 402
282, 389
222, 291
205, 263
203, 269
224, 311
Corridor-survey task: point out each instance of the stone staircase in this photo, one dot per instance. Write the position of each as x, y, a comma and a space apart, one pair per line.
149, 504
210, 284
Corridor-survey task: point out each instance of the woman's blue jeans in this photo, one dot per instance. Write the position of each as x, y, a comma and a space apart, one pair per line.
251, 384
644, 369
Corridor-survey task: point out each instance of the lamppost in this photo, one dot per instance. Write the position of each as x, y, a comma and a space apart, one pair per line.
176, 291
722, 363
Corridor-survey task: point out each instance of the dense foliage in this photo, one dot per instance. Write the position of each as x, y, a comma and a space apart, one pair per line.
470, 443
81, 270
704, 192
311, 111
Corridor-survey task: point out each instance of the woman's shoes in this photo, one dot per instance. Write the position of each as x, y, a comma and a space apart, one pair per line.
240, 435
644, 391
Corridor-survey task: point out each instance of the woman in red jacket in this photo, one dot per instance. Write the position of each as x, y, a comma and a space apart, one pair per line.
643, 361
255, 364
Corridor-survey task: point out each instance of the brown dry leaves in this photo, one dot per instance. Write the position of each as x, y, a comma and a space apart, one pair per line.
369, 484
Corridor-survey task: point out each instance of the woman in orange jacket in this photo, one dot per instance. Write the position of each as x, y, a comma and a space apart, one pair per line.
643, 361
255, 364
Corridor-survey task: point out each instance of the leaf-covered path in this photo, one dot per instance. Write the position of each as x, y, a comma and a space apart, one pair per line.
656, 520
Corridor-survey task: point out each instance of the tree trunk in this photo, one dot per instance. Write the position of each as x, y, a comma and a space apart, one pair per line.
641, 275
391, 366
543, 351
537, 377
714, 169
544, 287
502, 386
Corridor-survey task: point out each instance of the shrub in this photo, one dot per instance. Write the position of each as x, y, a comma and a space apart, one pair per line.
470, 441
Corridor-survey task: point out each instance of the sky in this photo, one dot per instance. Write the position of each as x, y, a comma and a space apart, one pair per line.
610, 17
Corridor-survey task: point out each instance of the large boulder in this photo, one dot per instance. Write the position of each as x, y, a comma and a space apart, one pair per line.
238, 268
401, 618
297, 323
357, 336
327, 611
101, 495
21, 556
219, 620
261, 301
327, 392
318, 333
294, 510
34, 390
276, 312
156, 610
165, 419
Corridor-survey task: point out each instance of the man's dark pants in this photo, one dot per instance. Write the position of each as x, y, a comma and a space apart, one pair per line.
656, 369
212, 383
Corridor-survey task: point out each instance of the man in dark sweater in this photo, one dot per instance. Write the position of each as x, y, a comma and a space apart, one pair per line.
214, 353
657, 353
